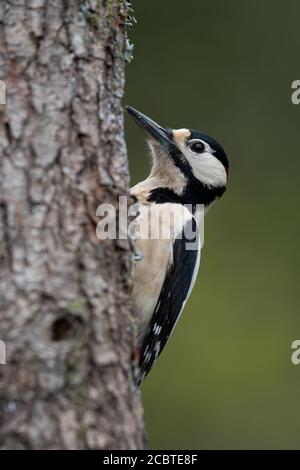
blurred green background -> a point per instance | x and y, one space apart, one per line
225 379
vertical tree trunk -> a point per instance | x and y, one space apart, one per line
64 295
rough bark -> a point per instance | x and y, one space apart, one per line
64 295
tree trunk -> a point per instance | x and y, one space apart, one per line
64 295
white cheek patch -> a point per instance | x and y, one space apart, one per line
205 166
207 169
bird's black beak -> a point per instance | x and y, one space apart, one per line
163 136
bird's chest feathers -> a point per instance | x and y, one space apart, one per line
157 226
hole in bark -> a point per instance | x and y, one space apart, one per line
66 327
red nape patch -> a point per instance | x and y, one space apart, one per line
137 356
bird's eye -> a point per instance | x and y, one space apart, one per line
196 146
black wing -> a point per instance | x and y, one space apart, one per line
171 301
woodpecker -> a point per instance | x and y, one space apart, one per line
189 169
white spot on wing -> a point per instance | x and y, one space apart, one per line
157 349
148 356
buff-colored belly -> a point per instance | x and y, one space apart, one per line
149 275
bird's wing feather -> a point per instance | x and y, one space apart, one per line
175 291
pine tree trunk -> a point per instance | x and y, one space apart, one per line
65 312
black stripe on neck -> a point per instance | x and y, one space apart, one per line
163 195
192 194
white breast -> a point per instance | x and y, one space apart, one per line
149 273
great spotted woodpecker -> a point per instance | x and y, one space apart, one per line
189 169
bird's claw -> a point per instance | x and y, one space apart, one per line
137 254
